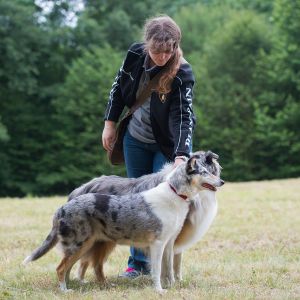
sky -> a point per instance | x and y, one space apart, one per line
71 17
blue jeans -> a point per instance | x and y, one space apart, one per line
141 159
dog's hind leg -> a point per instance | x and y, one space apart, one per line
68 275
97 256
68 261
83 265
177 266
101 251
85 261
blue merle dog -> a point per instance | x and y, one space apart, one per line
150 219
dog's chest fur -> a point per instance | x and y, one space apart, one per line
199 220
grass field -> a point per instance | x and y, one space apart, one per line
252 251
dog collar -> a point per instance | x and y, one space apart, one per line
184 197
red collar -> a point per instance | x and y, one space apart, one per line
184 197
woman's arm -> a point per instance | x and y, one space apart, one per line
182 117
115 103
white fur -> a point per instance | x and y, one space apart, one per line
171 209
27 260
205 210
167 206
206 207
201 218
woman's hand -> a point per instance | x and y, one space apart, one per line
108 135
179 160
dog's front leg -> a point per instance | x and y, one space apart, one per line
163 274
177 266
156 253
167 264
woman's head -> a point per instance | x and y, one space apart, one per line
161 34
162 38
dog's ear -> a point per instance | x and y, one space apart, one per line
192 166
209 156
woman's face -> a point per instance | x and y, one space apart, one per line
160 58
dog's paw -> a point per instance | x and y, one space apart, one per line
168 281
67 290
161 291
178 277
82 281
63 288
171 281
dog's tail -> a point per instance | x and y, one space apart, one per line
47 245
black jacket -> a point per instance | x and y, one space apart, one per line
172 121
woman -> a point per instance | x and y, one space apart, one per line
161 129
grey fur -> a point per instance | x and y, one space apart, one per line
119 219
133 219
127 218
47 245
116 185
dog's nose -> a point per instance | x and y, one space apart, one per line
222 182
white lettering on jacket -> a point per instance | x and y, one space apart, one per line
114 87
188 96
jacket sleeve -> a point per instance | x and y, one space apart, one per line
182 117
115 103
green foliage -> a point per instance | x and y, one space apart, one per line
277 141
263 6
226 91
19 47
198 23
4 137
55 80
87 33
119 30
76 152
33 63
120 22
3 133
18 32
278 109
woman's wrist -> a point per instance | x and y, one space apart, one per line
181 157
109 124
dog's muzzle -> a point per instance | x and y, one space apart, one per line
211 187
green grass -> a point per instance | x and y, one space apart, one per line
252 251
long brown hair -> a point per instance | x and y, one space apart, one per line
162 34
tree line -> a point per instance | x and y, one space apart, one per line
55 78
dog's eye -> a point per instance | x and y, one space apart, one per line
204 173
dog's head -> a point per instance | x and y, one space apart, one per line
203 171
209 160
